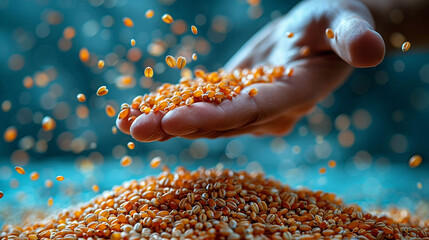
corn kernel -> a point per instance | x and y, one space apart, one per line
81 97
60 178
181 62
128 22
131 145
171 62
149 13
48 123
332 163
100 64
20 170
84 55
194 56
322 170
110 111
148 72
167 18
10 134
415 161
49 183
50 202
253 92
155 162
95 188
126 161
133 42
329 33
406 46
194 29
102 91
289 34
34 176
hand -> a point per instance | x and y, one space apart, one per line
279 105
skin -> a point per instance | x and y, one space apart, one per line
279 105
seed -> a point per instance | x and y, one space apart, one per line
148 72
133 42
171 62
48 183
124 113
289 72
48 123
110 111
253 92
20 170
189 101
415 161
60 178
131 145
194 29
10 134
114 129
95 188
81 97
194 56
1 194
289 34
322 170
181 62
200 73
102 91
84 55
329 33
128 22
332 163
167 18
149 13
100 64
419 185
406 46
34 176
28 82
305 51
50 202
155 162
126 161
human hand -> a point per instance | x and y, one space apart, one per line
278 105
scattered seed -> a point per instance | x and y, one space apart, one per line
110 111
194 29
131 145
48 123
60 178
322 170
167 18
329 33
181 62
133 42
102 91
289 34
95 188
194 56
332 163
84 55
50 202
148 72
81 97
34 176
10 134
126 161
149 13
406 46
155 162
49 183
415 161
100 64
20 170
128 22
171 62
253 92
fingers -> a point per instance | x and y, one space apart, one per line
355 40
124 124
147 128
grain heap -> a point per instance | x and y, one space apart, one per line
206 87
215 204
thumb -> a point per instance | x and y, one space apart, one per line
356 41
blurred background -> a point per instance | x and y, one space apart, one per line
356 143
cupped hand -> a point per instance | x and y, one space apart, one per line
278 105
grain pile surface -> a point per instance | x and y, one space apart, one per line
215 204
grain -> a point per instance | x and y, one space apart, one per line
20 170
415 161
95 188
216 204
322 170
100 64
149 13
102 91
171 61
304 51
81 97
194 29
131 145
48 183
194 56
155 162
332 163
128 22
148 72
133 42
10 134
48 123
110 111
34 176
289 34
167 18
84 55
406 46
181 62
50 202
126 161
60 178
329 33
253 92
